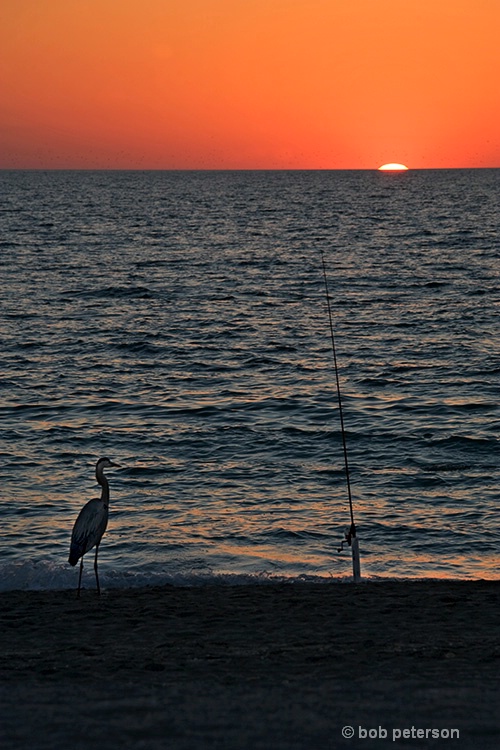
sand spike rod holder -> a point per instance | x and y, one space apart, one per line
351 538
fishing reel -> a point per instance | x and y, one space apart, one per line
352 541
349 536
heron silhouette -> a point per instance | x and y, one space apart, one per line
91 524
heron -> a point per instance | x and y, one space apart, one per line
91 524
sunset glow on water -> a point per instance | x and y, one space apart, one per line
177 323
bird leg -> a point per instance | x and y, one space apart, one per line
96 573
80 578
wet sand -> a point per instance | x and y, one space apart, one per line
277 667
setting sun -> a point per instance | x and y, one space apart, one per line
393 167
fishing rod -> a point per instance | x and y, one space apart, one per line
351 538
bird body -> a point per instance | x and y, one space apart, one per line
91 524
88 529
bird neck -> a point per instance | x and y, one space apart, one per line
105 487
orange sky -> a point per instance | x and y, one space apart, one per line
312 84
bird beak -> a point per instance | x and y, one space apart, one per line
115 466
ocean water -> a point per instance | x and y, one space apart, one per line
177 323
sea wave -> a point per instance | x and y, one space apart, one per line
182 329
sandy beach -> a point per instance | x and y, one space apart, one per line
276 667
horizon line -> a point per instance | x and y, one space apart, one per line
233 169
